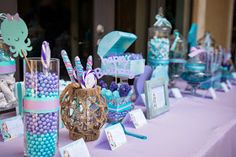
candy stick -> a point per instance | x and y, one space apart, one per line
79 68
89 63
27 61
68 65
45 56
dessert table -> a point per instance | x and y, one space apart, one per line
194 126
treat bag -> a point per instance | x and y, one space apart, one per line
41 108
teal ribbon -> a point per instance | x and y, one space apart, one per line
192 35
176 33
162 22
19 98
8 63
129 133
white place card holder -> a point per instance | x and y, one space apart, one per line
229 84
212 92
77 148
11 128
234 75
115 136
224 87
176 93
137 118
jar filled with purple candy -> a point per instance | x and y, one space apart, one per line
41 107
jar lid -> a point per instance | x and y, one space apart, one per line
115 43
161 21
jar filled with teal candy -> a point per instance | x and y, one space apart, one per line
41 108
158 42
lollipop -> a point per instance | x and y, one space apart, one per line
68 65
89 63
88 79
79 68
45 56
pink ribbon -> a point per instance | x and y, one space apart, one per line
41 105
7 69
195 51
15 17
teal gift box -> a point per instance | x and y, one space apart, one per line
114 61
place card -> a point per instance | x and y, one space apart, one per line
11 128
229 84
212 92
137 118
224 87
234 75
115 136
176 93
75 149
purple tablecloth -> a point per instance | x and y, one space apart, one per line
197 127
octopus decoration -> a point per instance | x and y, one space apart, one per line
14 33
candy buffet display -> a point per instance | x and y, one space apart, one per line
177 56
158 45
41 104
83 108
114 61
118 98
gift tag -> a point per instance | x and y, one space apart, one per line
176 93
229 84
115 136
11 128
137 117
75 149
224 87
212 92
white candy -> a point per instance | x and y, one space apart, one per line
3 102
8 93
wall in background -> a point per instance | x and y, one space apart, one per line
215 16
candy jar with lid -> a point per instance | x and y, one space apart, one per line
177 56
158 44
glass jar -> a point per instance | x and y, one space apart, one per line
158 46
41 108
177 57
7 79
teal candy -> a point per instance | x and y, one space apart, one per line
41 143
116 94
14 33
103 92
108 94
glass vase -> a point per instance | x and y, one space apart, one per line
41 108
